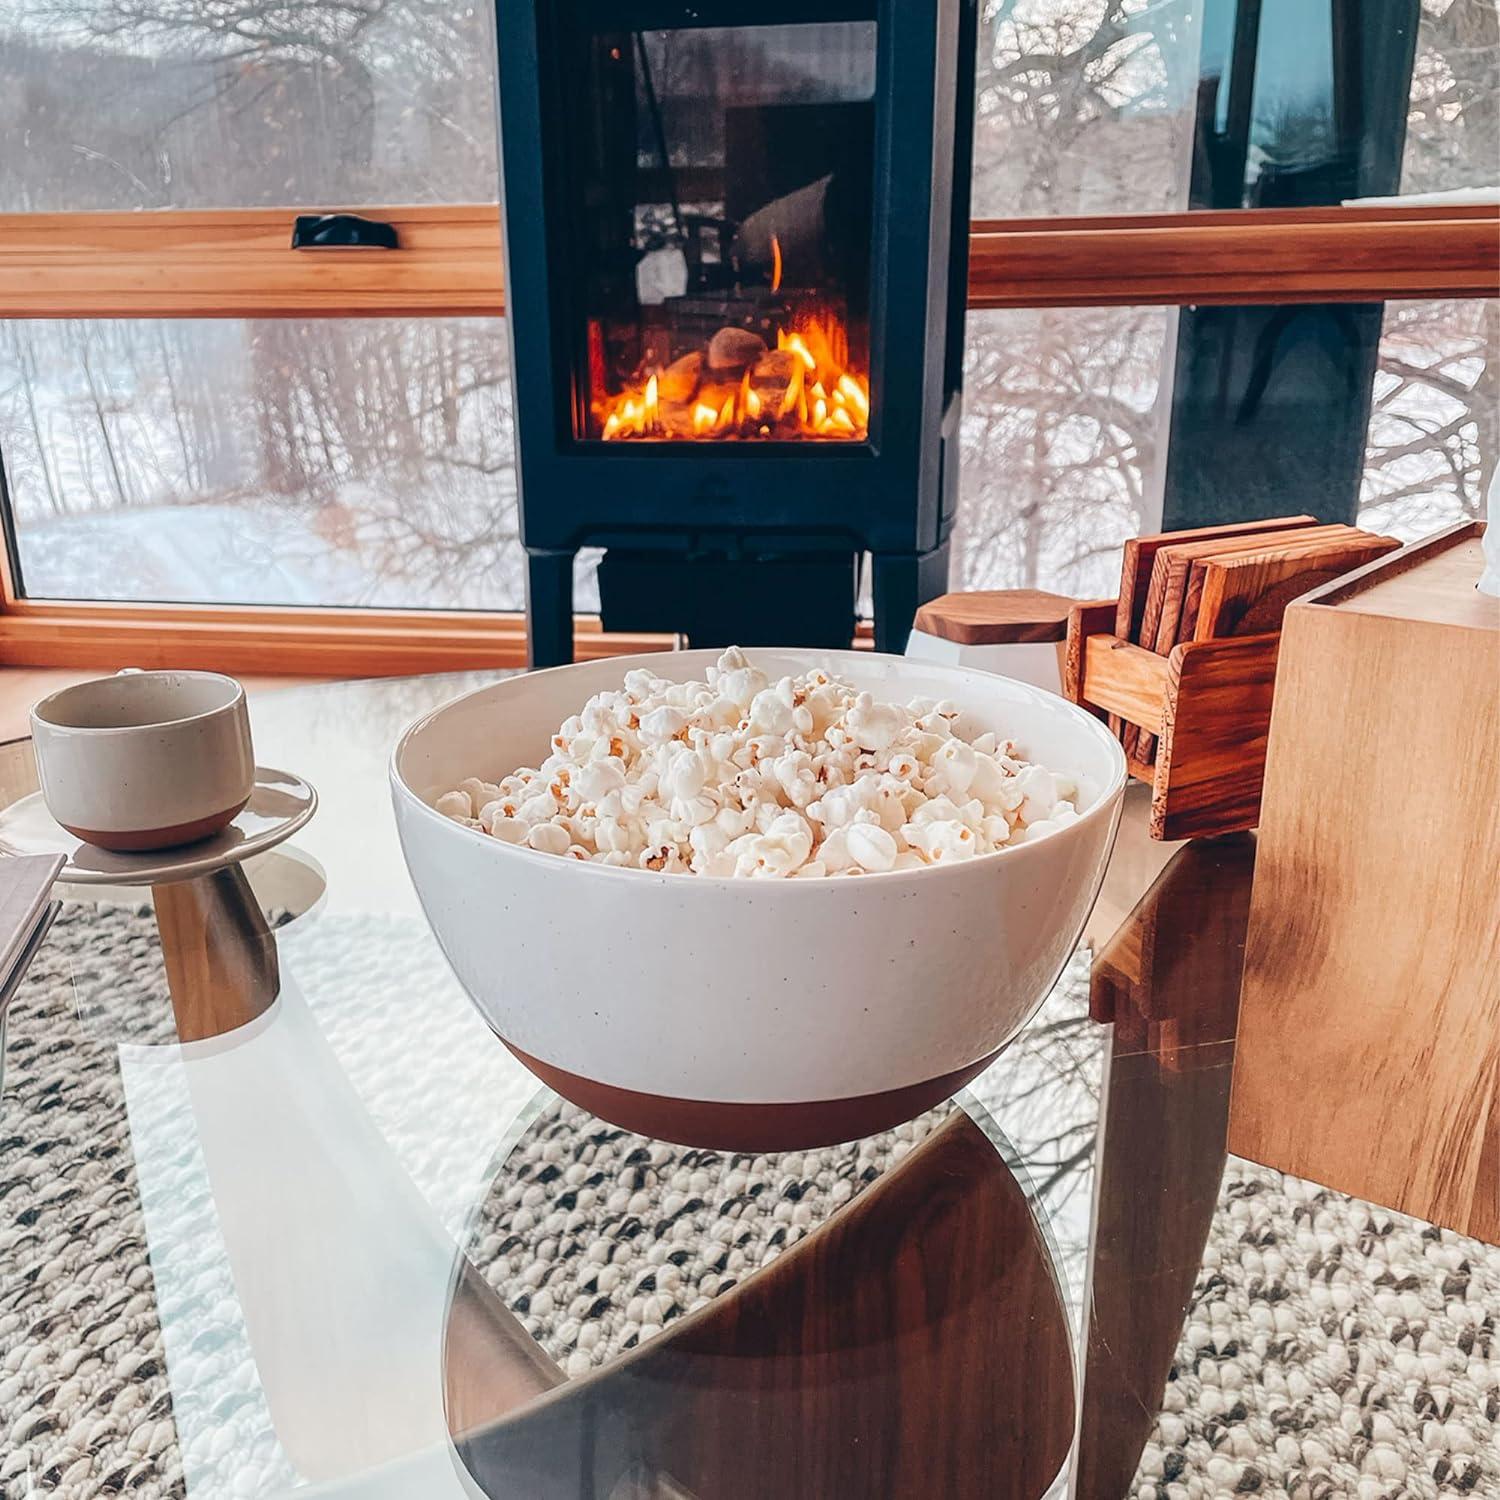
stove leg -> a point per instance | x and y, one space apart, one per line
549 609
902 582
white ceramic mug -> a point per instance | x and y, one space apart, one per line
145 760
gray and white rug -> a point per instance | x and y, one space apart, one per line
1331 1349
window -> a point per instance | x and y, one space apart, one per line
1063 421
174 104
347 444
1434 438
335 461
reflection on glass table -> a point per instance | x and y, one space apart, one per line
280 1217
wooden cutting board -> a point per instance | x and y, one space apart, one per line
1248 594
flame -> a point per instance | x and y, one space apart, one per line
823 398
793 341
775 264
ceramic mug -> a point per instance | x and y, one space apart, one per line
145 760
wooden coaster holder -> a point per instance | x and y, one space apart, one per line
1208 703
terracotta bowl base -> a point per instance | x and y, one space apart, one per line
751 1127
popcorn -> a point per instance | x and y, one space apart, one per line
736 775
871 847
455 805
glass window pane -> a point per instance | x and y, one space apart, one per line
181 104
1089 106
362 462
1061 430
1453 125
715 207
327 462
1084 106
1435 423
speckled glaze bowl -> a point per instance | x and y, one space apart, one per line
752 1014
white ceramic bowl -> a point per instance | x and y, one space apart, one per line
752 1014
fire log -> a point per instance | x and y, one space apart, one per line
679 381
731 351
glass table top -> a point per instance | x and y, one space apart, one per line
279 1215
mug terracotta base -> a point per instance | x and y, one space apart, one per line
751 1127
138 840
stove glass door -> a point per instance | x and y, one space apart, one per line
717 200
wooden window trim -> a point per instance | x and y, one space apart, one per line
257 638
1355 254
238 263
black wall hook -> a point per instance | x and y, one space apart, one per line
342 232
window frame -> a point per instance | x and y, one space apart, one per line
239 263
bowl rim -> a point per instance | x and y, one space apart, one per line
1104 805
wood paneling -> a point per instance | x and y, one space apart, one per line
239 262
1369 1052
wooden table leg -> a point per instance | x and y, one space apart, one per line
1170 982
219 952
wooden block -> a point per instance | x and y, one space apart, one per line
1168 588
1140 555
1084 620
1213 737
996 617
1247 595
1125 679
1169 573
1369 1045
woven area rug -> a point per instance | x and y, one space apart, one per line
1330 1350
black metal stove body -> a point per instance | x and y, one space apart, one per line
736 269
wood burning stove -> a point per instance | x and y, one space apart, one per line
736 241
